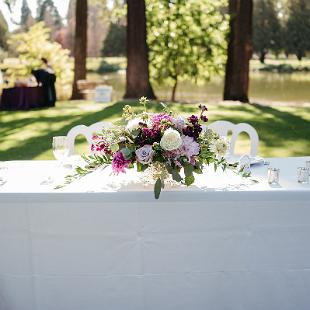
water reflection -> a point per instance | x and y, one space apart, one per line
264 86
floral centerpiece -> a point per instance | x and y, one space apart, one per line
164 146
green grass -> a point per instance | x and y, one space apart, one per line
283 131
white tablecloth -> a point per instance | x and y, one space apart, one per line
230 245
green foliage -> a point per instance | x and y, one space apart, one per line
157 188
31 46
186 39
106 67
297 32
115 42
266 28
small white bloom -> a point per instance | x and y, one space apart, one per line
171 140
220 146
133 124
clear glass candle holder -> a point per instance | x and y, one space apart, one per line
303 175
273 176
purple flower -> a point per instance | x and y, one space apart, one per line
148 136
189 148
159 120
145 154
192 131
203 118
119 163
193 119
179 123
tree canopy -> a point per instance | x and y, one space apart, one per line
297 32
186 40
34 44
266 28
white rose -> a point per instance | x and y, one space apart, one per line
171 140
133 124
220 146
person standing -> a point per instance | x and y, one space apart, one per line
46 78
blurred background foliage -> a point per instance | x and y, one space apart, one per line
187 45
186 39
30 47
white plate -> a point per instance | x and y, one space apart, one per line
257 160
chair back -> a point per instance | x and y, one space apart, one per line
86 131
224 127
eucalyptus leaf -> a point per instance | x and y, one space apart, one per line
176 176
127 153
157 188
188 169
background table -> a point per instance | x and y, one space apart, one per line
22 98
225 247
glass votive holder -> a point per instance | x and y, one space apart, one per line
273 176
303 175
308 166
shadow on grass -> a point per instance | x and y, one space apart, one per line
274 127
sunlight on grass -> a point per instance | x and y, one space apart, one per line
283 131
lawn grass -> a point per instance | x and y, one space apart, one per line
283 131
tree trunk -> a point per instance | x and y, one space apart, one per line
239 50
174 89
80 46
299 55
137 73
262 56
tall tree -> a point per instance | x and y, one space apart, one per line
297 32
3 32
115 41
47 7
239 50
137 73
80 46
266 28
26 19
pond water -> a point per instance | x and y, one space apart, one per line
264 86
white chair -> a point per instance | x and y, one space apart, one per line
86 131
224 127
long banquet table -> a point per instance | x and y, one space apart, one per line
88 247
22 98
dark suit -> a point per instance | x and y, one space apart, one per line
48 84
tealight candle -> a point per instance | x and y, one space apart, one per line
303 175
273 176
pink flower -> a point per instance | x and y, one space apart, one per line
189 148
145 154
119 163
158 120
99 145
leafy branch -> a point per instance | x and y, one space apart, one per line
93 162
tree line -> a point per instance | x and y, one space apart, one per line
281 26
169 41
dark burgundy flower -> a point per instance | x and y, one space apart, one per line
148 136
193 119
204 118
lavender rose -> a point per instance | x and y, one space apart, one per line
145 154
